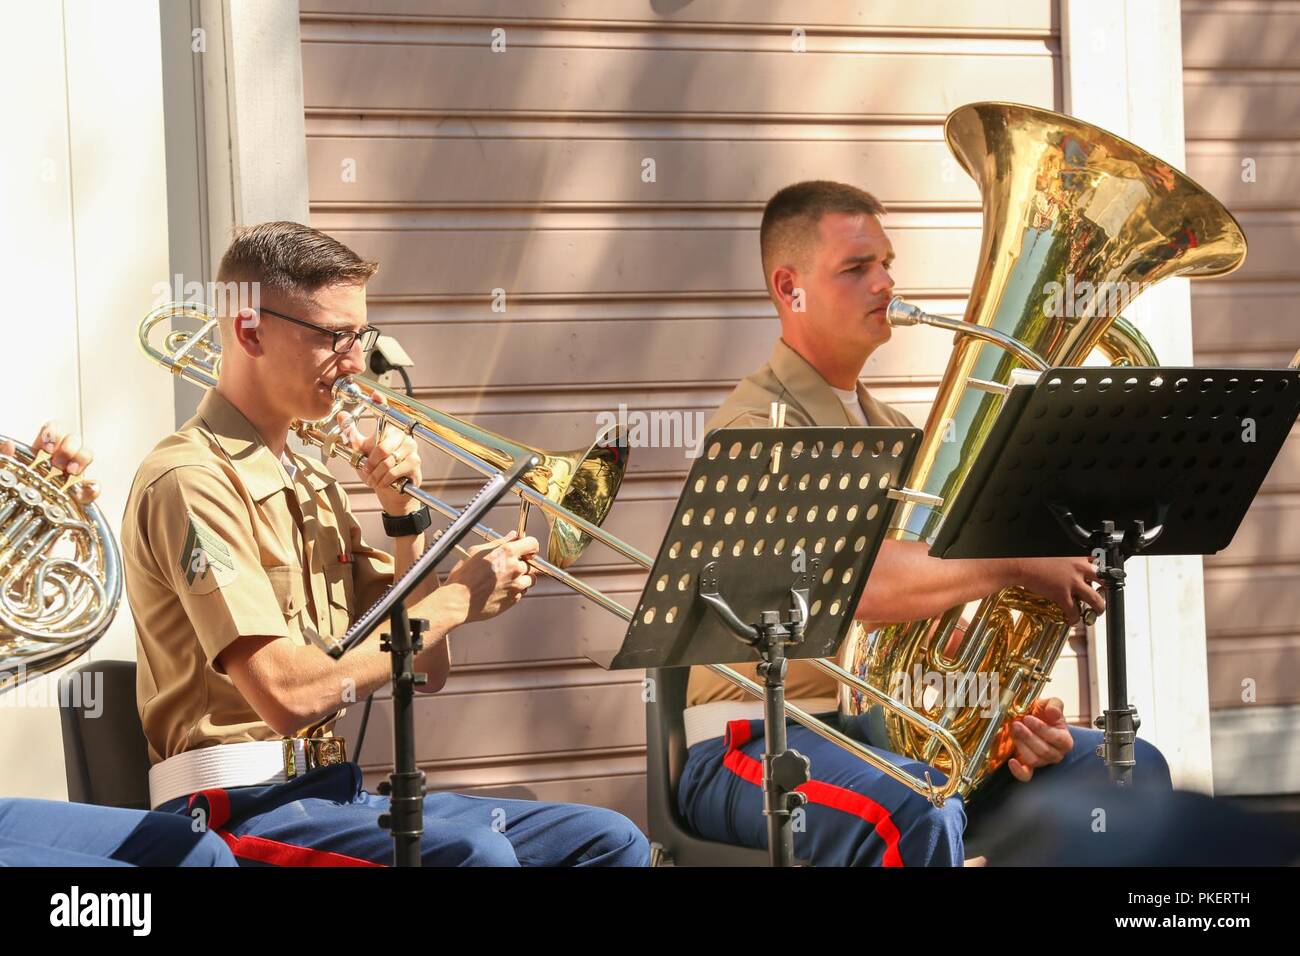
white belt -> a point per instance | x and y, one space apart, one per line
706 721
254 764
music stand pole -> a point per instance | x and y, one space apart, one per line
784 770
405 785
1150 461
1119 722
775 518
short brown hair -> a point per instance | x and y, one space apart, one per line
291 258
791 216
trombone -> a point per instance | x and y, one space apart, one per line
574 491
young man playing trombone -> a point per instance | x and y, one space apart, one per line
235 548
826 260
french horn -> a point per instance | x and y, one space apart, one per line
60 569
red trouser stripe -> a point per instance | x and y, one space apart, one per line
262 850
824 794
276 853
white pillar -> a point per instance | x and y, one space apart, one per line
83 233
254 95
236 131
1122 70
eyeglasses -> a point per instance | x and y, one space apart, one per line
343 340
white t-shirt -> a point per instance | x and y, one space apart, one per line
849 399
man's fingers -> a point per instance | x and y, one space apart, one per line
1057 738
65 452
524 547
1019 770
1029 747
1069 608
391 450
80 461
1091 597
1049 742
493 545
1052 710
388 472
47 438
85 492
349 432
380 477
1089 572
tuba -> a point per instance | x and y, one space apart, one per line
1076 223
60 571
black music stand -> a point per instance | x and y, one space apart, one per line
1115 463
405 785
765 560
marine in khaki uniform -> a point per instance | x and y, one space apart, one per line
236 550
225 540
826 260
788 379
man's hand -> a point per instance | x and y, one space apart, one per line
67 454
492 579
391 456
1042 737
1065 581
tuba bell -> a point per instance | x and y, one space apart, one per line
1077 222
60 571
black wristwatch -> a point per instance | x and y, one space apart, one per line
401 526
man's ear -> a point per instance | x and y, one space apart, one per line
246 328
785 289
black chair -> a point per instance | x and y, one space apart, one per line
665 757
106 756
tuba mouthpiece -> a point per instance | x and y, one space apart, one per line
899 312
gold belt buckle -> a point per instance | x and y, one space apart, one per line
319 752
290 764
325 751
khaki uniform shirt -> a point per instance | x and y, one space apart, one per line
219 543
788 378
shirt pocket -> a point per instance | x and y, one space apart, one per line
290 593
340 588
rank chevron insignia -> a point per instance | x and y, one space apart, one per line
203 551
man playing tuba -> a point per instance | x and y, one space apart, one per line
826 261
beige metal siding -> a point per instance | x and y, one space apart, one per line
522 170
1241 69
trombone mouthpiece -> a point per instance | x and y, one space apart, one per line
899 312
347 389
